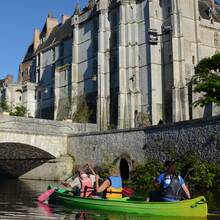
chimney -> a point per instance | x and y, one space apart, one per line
64 18
36 40
51 23
8 79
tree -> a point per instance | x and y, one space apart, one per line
4 107
207 81
19 110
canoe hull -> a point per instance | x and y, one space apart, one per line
188 208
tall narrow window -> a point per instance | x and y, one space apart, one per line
61 49
38 75
53 72
65 75
53 54
38 59
39 95
193 59
51 92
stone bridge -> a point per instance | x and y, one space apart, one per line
26 143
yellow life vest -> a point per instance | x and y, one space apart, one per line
113 193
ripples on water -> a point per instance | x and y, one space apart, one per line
18 201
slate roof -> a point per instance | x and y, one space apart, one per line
58 34
204 6
64 31
29 53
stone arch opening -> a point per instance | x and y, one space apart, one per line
124 169
17 159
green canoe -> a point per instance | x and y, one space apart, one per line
196 207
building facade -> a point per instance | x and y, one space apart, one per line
107 55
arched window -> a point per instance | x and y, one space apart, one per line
18 96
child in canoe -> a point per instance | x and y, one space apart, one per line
83 183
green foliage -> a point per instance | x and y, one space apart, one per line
111 127
205 175
4 107
201 174
64 109
103 170
19 110
143 119
207 81
83 112
81 115
144 175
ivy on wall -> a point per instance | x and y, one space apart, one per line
81 114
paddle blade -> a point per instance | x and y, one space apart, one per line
127 192
44 196
48 211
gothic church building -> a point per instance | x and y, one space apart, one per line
125 57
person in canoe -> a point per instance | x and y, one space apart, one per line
112 186
83 184
171 185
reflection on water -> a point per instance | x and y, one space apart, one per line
18 201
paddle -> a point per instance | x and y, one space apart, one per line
44 196
126 191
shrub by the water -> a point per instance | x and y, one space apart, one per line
197 173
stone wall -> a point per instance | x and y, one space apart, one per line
158 142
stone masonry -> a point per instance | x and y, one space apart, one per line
48 139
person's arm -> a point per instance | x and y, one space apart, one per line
157 181
186 190
184 187
66 184
103 186
72 184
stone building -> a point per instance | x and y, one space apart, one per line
125 57
3 85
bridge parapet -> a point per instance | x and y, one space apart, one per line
41 126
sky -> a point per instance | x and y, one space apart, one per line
18 19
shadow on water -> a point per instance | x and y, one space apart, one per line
18 201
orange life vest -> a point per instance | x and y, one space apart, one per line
86 187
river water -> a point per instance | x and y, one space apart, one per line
18 201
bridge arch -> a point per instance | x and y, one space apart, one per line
16 158
55 145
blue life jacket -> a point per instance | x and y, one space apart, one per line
116 181
173 191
